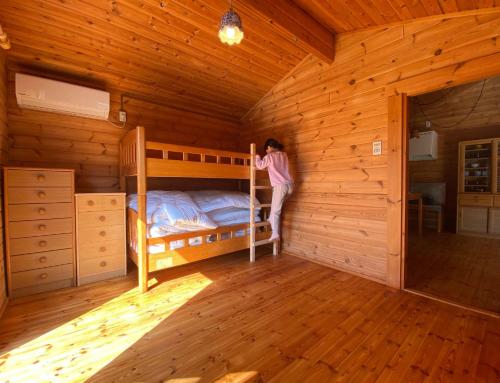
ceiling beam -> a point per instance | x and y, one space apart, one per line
294 23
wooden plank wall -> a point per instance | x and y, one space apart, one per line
328 116
3 158
445 109
91 147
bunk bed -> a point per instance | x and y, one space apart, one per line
142 159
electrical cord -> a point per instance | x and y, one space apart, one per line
462 119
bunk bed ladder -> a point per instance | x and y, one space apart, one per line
253 225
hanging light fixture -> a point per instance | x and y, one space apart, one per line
231 30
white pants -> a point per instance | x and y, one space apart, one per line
280 194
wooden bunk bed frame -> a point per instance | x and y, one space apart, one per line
141 158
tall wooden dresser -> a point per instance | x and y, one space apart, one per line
101 242
39 229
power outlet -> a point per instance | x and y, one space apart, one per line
122 116
377 148
428 124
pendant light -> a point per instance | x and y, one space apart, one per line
231 30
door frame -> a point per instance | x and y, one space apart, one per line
397 187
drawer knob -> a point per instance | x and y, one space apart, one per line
43 259
42 227
42 211
102 249
103 263
41 194
102 233
113 202
40 178
102 218
44 276
42 243
90 202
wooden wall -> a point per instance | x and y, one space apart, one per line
329 115
91 147
3 157
450 114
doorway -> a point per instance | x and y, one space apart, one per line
451 211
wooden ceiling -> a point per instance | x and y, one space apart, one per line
168 50
349 15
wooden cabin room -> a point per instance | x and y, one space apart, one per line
229 191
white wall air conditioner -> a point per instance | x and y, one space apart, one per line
424 147
60 97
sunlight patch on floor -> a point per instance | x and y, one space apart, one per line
81 347
232 377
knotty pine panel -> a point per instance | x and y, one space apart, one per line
344 16
327 116
91 147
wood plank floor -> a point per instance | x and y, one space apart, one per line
225 320
464 269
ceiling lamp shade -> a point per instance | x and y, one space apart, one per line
231 30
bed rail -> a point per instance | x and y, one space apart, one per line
128 154
191 246
169 160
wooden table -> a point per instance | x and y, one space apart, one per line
418 197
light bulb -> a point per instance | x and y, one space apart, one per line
230 33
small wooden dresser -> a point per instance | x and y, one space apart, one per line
39 229
101 242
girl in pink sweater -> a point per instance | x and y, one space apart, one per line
276 162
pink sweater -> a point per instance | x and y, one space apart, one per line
277 164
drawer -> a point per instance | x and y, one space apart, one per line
41 276
40 227
39 195
40 211
99 202
496 202
41 260
101 218
100 234
39 244
101 265
45 178
96 249
475 200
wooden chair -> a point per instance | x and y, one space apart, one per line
434 195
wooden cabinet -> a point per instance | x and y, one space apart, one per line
494 221
479 187
39 229
473 219
101 240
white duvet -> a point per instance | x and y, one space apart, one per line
172 212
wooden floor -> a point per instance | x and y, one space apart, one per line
225 320
460 268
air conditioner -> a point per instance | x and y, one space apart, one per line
60 97
424 146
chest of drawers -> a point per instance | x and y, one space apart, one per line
39 229
101 240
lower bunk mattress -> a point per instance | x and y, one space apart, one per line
174 212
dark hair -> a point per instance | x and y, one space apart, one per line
273 144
